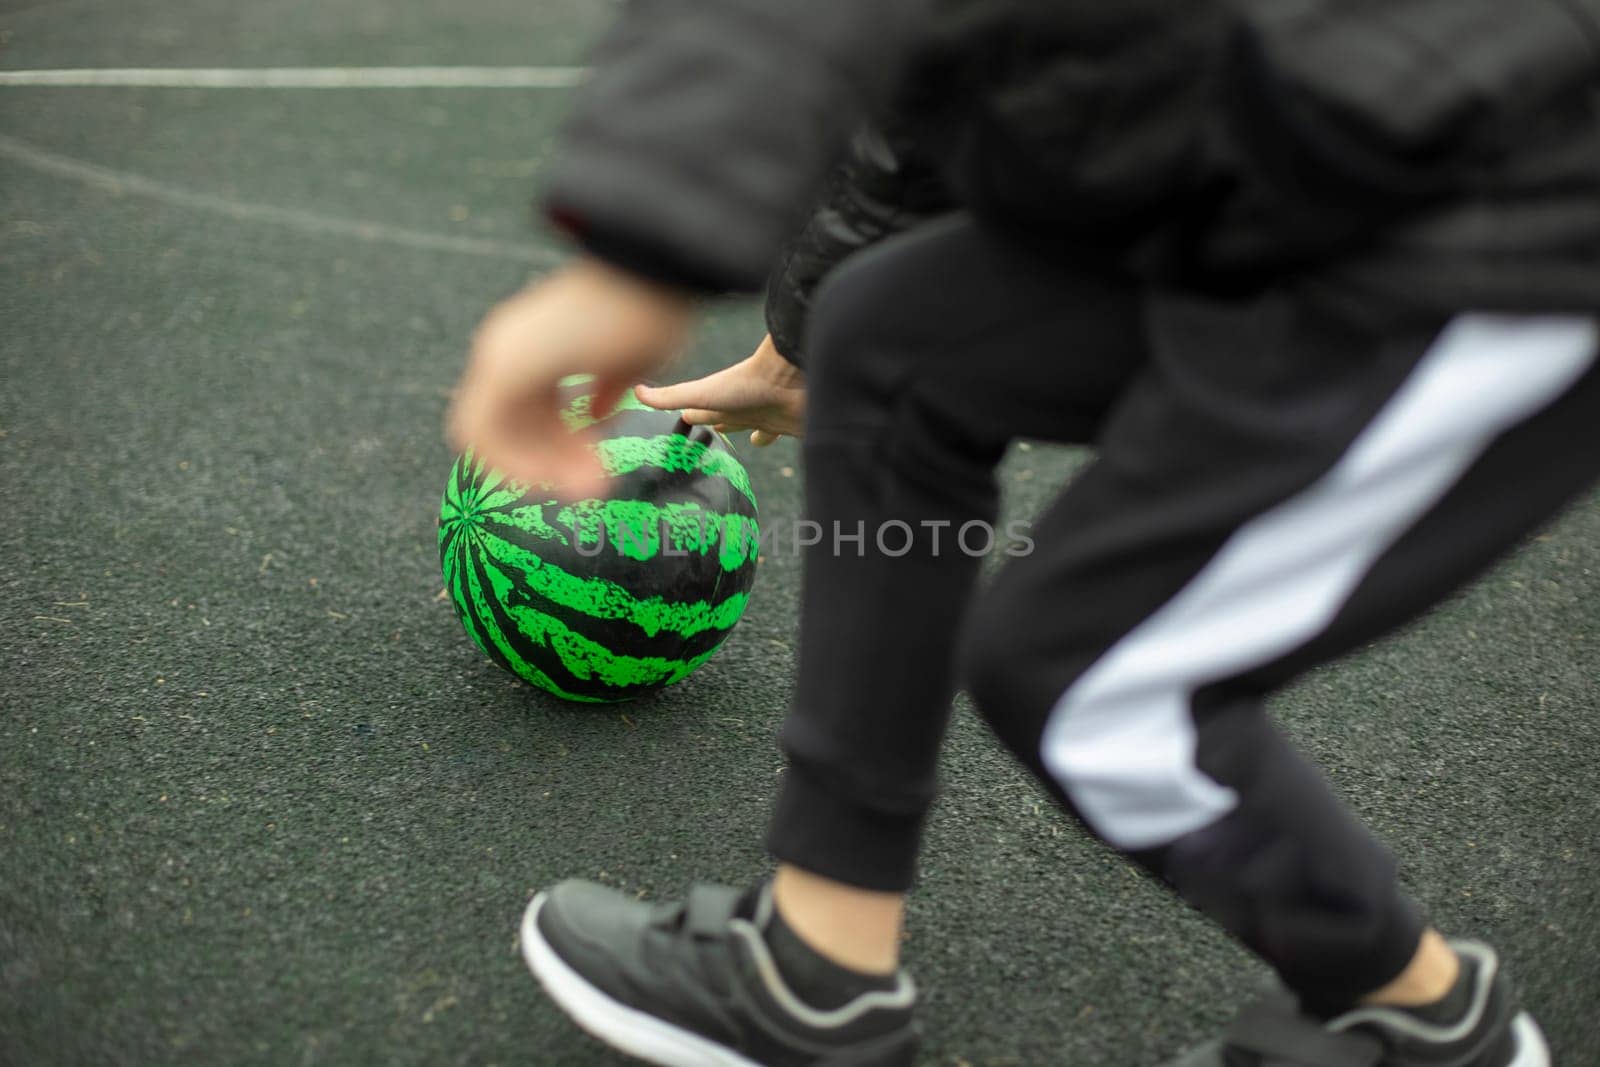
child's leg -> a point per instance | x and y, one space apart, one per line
1284 484
927 356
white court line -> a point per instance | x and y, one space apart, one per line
307 78
120 183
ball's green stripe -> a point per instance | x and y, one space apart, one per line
461 596
450 533
468 474
741 580
450 504
479 610
447 554
601 599
637 529
673 452
582 657
469 617
530 519
499 498
484 478
513 635
620 628
494 621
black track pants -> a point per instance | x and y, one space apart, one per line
1278 480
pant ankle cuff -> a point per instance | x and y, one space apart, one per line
1332 992
818 828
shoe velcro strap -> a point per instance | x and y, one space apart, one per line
1281 1037
709 908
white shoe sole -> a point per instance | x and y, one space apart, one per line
625 1029
1532 1049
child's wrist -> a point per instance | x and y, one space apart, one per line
775 368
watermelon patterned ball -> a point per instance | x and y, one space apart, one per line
605 600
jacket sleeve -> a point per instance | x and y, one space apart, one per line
883 185
708 126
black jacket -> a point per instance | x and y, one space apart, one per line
886 183
1449 147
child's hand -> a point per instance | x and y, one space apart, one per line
588 318
763 393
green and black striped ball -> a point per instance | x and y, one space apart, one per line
605 600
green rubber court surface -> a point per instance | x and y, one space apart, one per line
263 802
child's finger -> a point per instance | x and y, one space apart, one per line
696 393
708 417
763 438
607 393
566 464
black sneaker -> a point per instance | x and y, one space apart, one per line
693 984
1490 1031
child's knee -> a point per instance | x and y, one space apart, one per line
996 668
864 330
